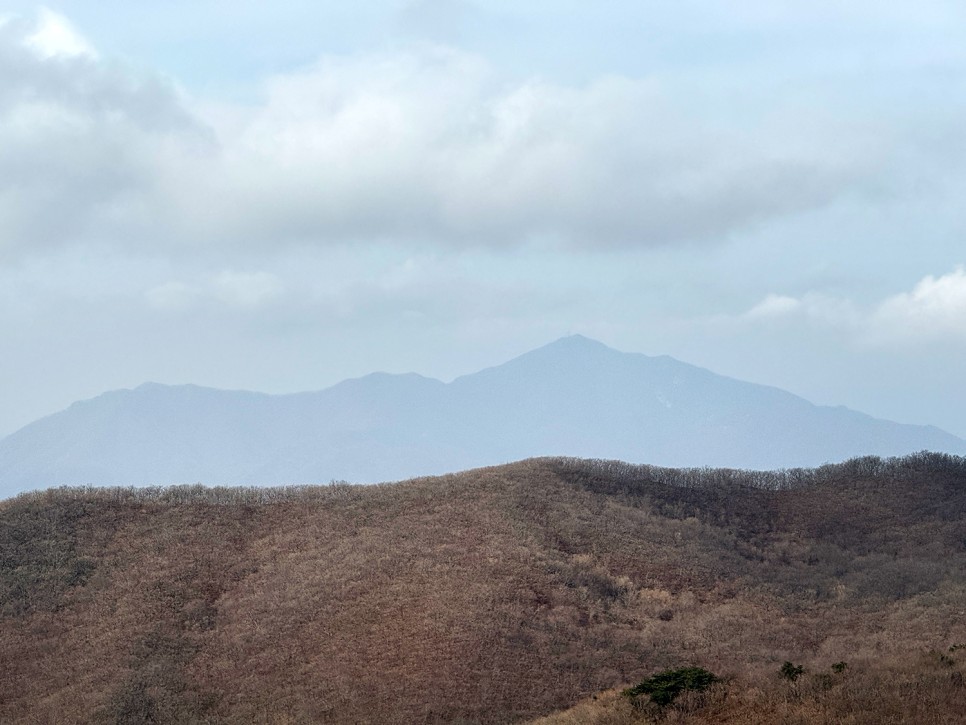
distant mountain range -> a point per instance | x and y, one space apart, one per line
573 397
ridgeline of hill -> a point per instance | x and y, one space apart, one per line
496 595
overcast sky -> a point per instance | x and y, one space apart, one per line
276 196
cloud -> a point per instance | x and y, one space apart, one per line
55 37
230 288
814 307
934 311
428 145
774 306
81 141
433 145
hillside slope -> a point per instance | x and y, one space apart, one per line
491 596
573 397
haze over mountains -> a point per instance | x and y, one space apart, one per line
573 397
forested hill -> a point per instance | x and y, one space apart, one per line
491 596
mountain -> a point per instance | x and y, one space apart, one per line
574 397
492 596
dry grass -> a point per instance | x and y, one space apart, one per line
492 596
922 688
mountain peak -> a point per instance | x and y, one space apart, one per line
577 342
567 353
572 347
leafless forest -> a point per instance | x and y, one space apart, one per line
502 595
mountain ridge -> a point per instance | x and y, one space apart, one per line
573 397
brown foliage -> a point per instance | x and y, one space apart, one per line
490 596
921 688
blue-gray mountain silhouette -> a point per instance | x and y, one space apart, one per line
573 397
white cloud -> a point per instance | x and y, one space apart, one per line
432 145
933 311
82 143
813 308
428 145
56 37
230 288
774 306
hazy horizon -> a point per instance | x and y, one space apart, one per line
448 380
445 381
279 198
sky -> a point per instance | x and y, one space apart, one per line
278 196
